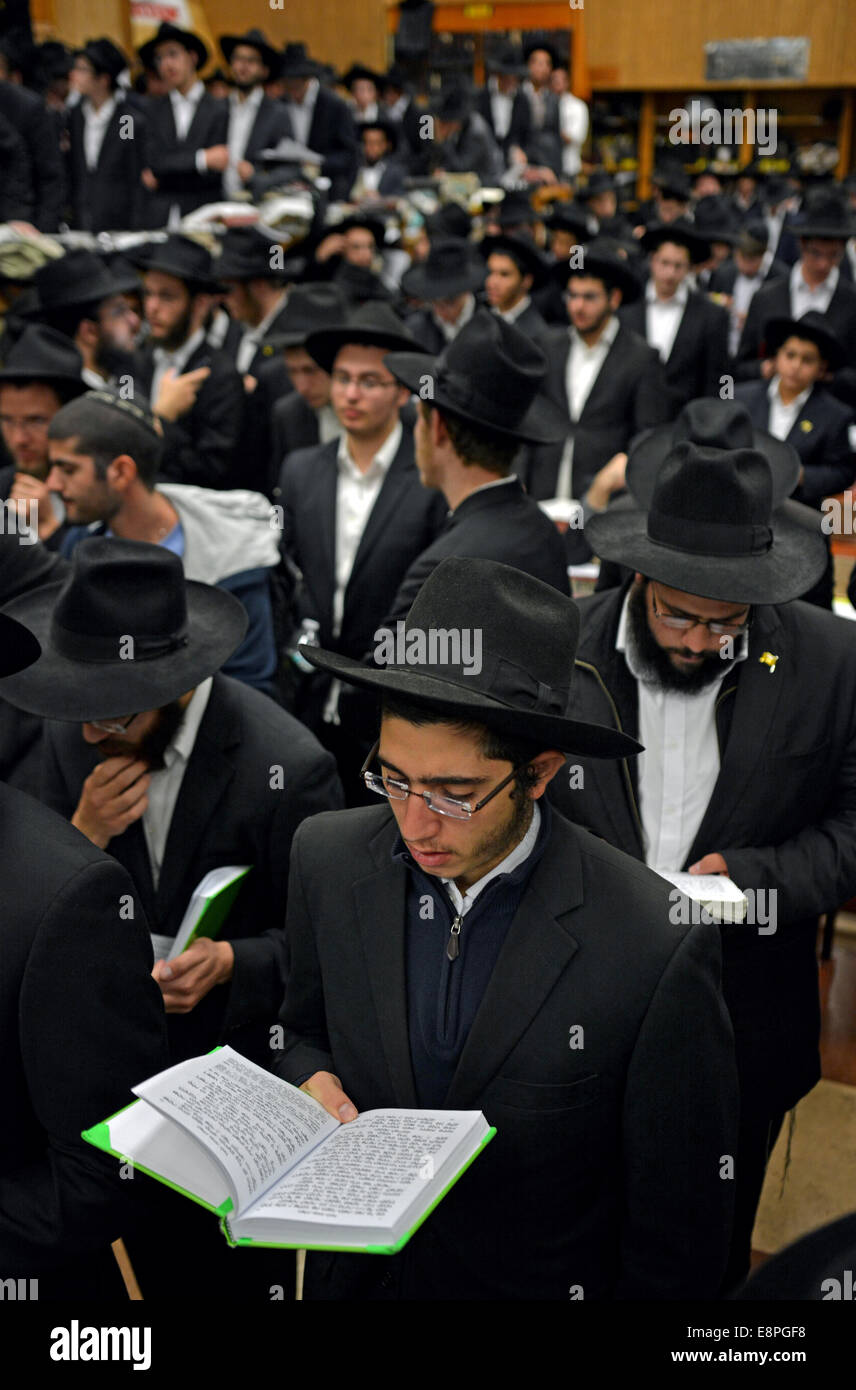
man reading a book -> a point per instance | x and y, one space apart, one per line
461 946
749 768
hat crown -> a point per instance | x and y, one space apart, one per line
119 589
448 255
312 306
714 424
43 352
492 360
714 487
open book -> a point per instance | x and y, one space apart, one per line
209 906
716 893
278 1169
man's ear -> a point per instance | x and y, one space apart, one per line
546 765
121 472
87 333
615 300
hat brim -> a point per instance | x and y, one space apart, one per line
146 51
61 383
647 456
58 687
76 295
622 277
229 42
550 730
19 647
417 284
825 230
543 423
793 564
698 246
205 284
324 345
777 332
533 262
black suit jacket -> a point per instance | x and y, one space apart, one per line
722 279
110 196
520 126
629 394
332 134
782 813
405 518
173 161
699 354
819 435
202 446
774 301
40 134
495 523
81 1022
271 125
233 808
294 425
602 1172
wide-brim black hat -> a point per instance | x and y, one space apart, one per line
104 56
567 216
597 260
680 233
44 354
544 46
254 38
373 324
598 182
359 221
380 122
452 104
490 375
180 633
79 277
528 634
712 424
522 251
825 215
181 256
308 309
715 219
247 254
359 72
452 267
295 62
711 530
814 327
507 61
19 647
170 33
515 210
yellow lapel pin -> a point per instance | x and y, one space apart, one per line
768 659
806 425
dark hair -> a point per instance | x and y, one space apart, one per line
67 321
609 284
477 443
102 434
64 391
499 747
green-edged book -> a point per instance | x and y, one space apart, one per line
209 906
277 1169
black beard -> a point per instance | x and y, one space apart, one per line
112 361
655 664
152 746
245 86
178 335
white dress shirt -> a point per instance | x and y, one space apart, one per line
165 784
164 360
500 108
663 318
804 298
183 110
463 902
252 337
573 124
513 314
242 115
782 418
95 125
679 765
450 331
745 289
301 112
581 372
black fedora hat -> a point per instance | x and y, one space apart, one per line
104 56
523 251
394 79
813 327
308 308
528 633
825 215
44 354
567 216
715 219
181 256
19 648
491 374
359 220
449 220
182 632
248 254
671 182
295 62
383 123
515 210
170 33
711 530
711 424
452 103
452 267
373 324
599 181
506 60
254 38
680 233
359 72
78 277
543 45
601 261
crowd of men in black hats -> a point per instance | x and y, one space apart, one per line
235 459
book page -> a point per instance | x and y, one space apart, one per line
706 887
370 1170
254 1123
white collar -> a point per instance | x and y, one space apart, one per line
182 743
262 327
195 94
678 299
795 405
178 356
382 459
830 284
606 339
522 850
252 100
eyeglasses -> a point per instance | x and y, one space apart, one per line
363 383
684 624
443 805
112 726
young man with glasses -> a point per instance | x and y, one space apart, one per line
473 949
744 702
355 514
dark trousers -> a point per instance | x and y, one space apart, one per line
757 1137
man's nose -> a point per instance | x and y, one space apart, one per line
93 735
700 639
418 821
54 480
